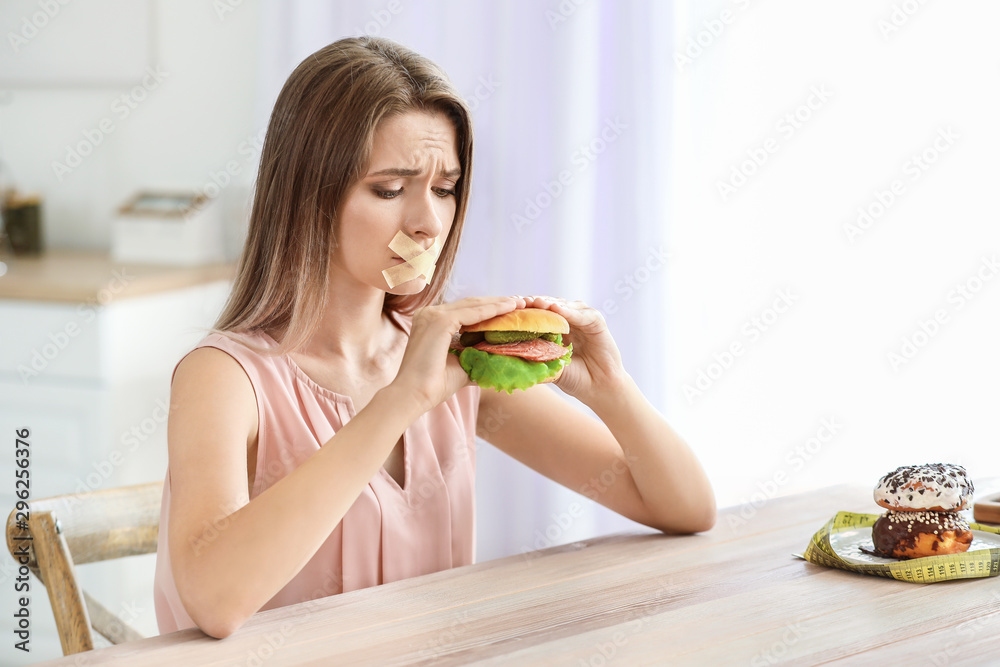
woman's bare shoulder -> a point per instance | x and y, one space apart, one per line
210 384
209 365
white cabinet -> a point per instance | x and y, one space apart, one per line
91 381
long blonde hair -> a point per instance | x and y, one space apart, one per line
318 145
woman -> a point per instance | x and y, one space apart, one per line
321 439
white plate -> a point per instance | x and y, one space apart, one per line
848 545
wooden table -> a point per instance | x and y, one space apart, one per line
734 595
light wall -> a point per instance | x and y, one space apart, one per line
178 127
896 108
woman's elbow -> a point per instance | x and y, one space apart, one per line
707 515
704 521
218 625
703 512
215 615
687 520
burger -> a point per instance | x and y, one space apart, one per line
515 350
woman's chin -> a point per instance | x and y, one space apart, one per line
415 286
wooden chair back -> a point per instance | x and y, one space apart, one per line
62 532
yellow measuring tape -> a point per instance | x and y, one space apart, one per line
968 565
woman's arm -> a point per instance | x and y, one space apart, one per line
230 555
630 461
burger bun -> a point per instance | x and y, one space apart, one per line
534 320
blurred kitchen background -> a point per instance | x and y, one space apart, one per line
786 211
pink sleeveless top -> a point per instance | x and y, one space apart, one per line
389 533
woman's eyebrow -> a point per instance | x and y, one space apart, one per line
406 173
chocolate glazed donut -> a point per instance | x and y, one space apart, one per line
919 534
923 503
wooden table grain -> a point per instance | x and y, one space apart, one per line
733 595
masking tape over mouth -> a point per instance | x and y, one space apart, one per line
417 261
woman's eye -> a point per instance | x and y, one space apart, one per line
388 194
442 192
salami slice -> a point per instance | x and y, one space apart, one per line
529 350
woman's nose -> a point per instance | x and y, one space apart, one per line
424 217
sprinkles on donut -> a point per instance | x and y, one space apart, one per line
923 503
941 487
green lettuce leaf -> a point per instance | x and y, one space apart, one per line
503 373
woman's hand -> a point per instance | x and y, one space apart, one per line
596 363
633 463
428 372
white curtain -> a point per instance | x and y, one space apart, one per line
572 113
